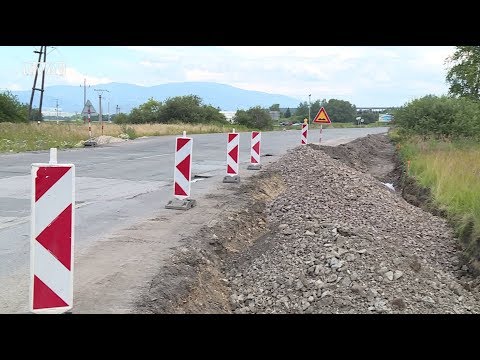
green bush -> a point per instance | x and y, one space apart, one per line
120 118
11 110
130 131
185 109
440 116
255 118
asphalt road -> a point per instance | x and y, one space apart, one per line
119 184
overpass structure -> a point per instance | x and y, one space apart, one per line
376 108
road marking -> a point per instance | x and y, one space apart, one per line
151 156
13 222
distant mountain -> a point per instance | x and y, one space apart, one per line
128 96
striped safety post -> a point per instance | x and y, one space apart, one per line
304 134
89 124
52 236
255 151
183 167
233 141
182 174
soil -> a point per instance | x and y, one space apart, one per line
309 234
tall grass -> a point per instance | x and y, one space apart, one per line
451 170
17 137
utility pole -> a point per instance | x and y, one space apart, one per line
309 104
84 96
56 108
43 51
100 105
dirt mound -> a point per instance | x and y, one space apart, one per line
311 234
373 154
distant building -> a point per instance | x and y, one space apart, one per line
284 110
275 115
385 117
228 115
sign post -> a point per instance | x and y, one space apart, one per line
322 118
88 109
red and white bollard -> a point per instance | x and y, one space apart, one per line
304 134
89 124
255 151
182 174
52 236
233 142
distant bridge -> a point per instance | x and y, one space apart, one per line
376 108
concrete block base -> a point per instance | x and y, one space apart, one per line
231 179
181 204
90 142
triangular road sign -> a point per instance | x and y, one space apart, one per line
88 105
322 117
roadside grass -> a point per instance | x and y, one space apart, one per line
451 170
18 137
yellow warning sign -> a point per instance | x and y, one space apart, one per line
322 117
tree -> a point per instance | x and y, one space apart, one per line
36 114
11 110
368 116
288 113
275 107
120 118
256 117
340 111
440 116
315 107
148 112
302 110
189 109
213 115
464 74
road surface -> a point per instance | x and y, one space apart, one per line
118 186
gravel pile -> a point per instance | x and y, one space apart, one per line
342 242
105 139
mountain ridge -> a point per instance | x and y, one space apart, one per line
127 96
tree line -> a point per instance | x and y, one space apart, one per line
191 109
454 115
12 110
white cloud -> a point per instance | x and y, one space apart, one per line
203 75
367 75
153 64
14 87
75 77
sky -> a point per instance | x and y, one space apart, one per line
363 75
